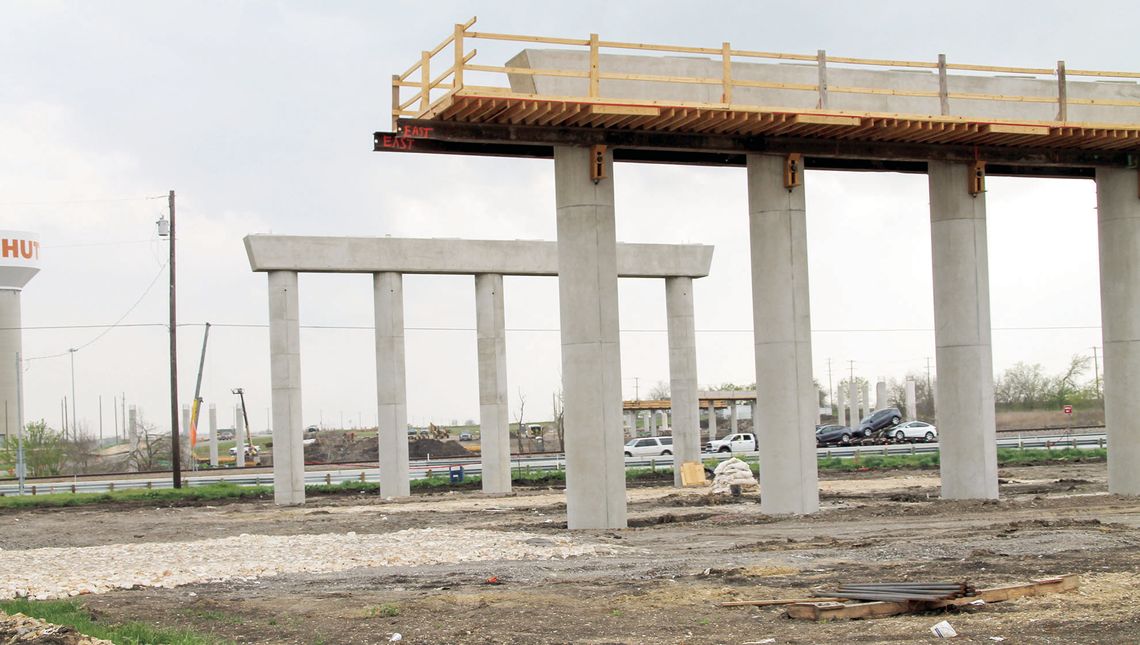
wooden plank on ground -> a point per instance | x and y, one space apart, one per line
775 601
692 473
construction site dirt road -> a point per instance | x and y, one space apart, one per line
663 579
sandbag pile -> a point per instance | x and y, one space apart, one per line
733 472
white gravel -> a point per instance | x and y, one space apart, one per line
51 573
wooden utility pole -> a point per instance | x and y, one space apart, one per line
175 442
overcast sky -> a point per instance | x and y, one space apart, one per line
260 115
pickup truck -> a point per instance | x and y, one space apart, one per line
739 442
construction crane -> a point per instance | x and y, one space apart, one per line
196 406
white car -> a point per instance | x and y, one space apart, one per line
649 447
740 442
914 431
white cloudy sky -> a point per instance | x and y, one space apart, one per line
260 114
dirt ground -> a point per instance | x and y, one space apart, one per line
689 554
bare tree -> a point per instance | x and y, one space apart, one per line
659 392
521 431
559 420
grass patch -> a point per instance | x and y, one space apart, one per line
72 614
1022 457
208 492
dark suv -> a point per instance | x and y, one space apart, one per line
880 419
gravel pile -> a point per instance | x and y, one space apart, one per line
51 573
18 628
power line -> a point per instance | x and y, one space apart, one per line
82 201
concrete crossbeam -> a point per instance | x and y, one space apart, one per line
312 254
391 386
1118 211
591 356
285 375
784 419
966 419
494 433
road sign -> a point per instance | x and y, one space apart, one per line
1068 409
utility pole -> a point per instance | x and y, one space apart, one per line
929 387
830 387
74 420
175 441
100 418
1096 372
636 391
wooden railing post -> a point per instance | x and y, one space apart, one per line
821 61
594 71
425 80
1062 93
943 86
457 73
395 100
726 73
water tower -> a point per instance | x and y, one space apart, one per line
19 261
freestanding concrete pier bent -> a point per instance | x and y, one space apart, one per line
387 259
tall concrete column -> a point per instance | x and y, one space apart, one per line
732 426
391 387
686 410
786 404
866 398
1118 211
911 403
712 421
853 405
494 432
285 378
185 430
591 357
653 423
880 395
840 409
966 425
213 436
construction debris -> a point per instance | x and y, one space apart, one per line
943 630
893 598
733 473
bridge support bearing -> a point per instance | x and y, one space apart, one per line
1118 208
784 417
966 423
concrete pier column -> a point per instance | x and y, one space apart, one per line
184 431
866 398
683 373
285 378
494 432
966 427
853 417
881 395
911 402
732 426
213 436
1118 211
840 409
784 423
391 388
653 423
712 421
591 357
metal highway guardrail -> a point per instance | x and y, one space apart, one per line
472 466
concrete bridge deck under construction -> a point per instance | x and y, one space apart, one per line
586 102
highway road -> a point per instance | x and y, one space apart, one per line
471 466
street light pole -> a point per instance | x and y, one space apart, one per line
74 420
175 442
